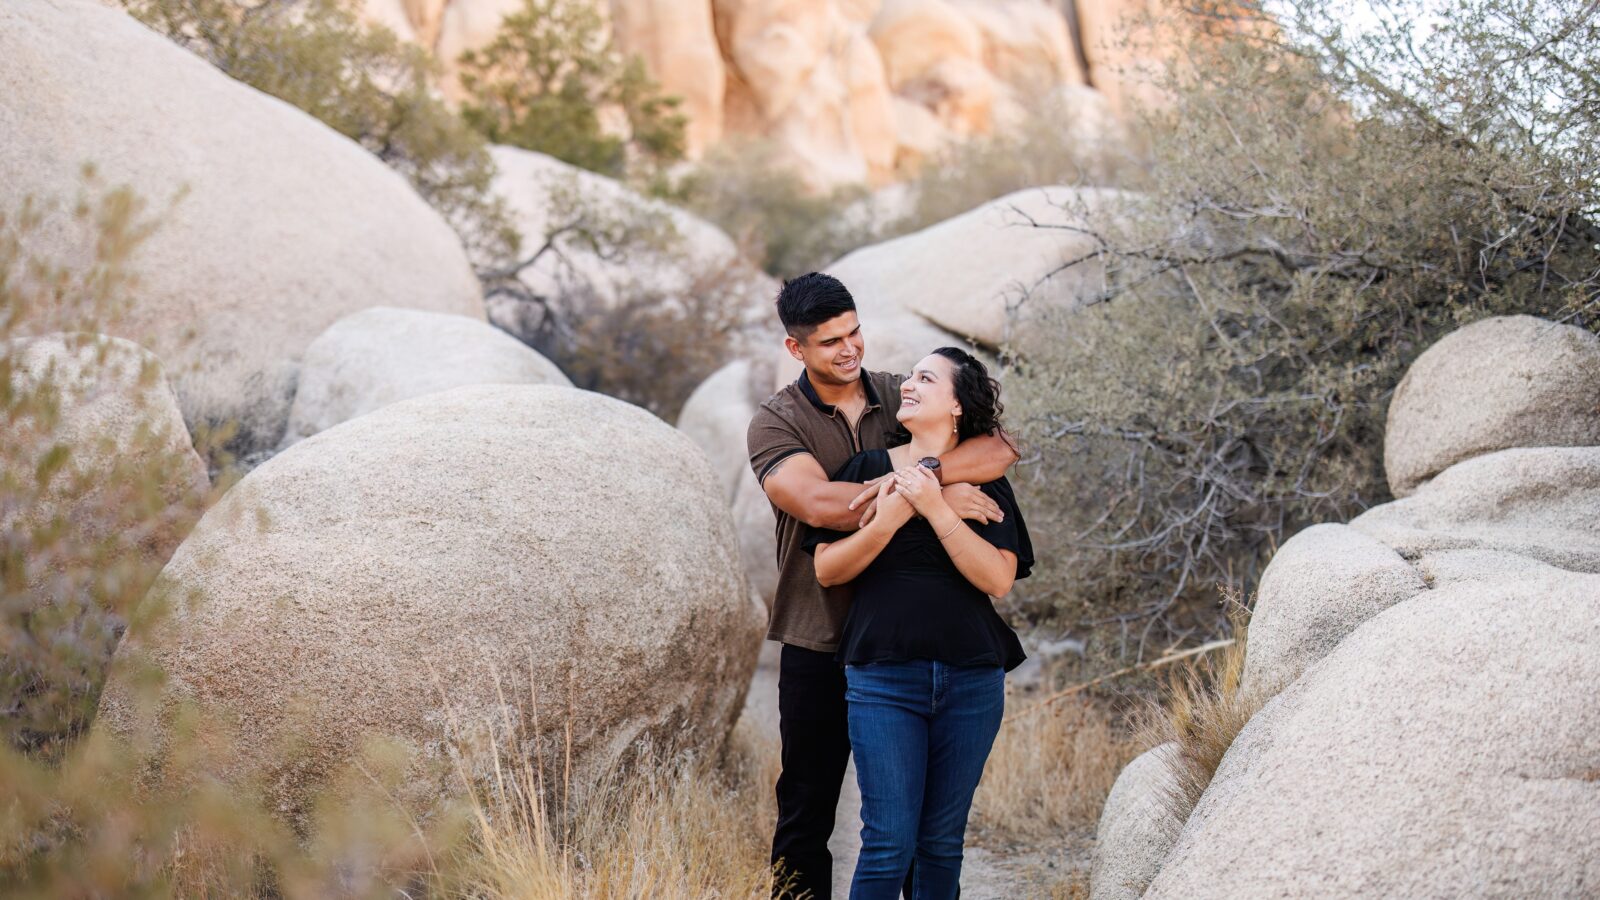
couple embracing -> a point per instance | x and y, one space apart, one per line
895 528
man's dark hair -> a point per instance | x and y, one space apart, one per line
809 300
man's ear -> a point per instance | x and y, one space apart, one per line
793 346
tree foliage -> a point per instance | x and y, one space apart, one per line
549 76
1318 209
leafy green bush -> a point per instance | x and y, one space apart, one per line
1315 211
358 79
545 79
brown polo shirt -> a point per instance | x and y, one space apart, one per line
793 421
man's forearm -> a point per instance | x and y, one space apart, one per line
977 460
828 506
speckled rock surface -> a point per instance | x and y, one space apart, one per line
382 355
402 573
277 225
1446 748
1542 503
1137 826
1320 586
1512 381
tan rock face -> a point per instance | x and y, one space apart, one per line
280 225
678 43
1320 586
1513 381
820 79
383 355
1538 502
404 573
1446 748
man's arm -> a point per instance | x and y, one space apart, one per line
799 487
977 460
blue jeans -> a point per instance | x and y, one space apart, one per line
921 732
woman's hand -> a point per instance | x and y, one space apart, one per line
893 510
920 487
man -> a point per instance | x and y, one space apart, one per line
799 436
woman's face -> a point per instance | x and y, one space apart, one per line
928 397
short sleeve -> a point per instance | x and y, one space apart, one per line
1010 533
771 440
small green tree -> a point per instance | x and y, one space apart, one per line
1316 210
544 80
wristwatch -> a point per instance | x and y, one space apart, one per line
931 463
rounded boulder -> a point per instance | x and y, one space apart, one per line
493 560
1445 749
1511 381
383 355
1137 825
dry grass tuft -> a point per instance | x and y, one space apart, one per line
688 828
1205 710
1051 769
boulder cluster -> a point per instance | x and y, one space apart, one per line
1427 670
436 541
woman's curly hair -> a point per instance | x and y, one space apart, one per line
978 394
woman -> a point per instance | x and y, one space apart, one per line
924 651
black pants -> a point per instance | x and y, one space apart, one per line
814 727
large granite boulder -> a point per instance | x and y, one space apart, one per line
966 274
272 225
382 355
1137 826
678 43
447 564
1445 749
1320 586
1513 381
1538 502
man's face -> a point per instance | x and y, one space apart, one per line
832 353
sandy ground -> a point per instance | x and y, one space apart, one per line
986 873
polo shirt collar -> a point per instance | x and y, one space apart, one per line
829 409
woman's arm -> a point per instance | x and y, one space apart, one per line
989 568
844 559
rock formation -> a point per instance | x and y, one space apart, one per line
418 572
1428 668
382 355
1137 825
609 246
849 90
271 225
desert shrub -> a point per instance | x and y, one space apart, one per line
545 79
1065 138
1315 211
85 523
362 81
776 220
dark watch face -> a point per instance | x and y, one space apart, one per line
929 462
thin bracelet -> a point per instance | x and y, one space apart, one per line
951 531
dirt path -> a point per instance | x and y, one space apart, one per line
985 874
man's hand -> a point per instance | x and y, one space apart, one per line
869 496
970 502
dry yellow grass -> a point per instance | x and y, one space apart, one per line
1051 769
689 828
